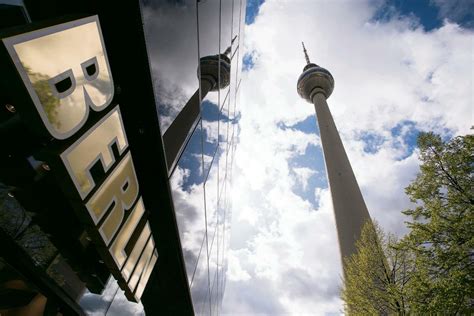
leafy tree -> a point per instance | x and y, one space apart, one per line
441 236
376 275
431 270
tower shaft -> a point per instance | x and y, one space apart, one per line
349 207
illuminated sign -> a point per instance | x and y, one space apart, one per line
67 75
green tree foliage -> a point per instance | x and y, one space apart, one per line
441 236
49 102
376 276
431 270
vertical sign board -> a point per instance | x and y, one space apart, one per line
66 72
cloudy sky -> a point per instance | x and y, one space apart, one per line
400 68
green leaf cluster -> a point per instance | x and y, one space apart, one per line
430 270
441 226
376 276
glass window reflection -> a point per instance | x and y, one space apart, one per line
214 297
222 150
205 230
211 189
236 23
111 301
243 7
122 307
209 31
173 54
200 284
98 304
208 16
233 84
188 196
226 34
213 252
226 23
210 125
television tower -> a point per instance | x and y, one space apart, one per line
315 85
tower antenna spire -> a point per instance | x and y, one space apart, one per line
228 50
305 54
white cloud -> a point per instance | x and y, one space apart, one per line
285 258
303 174
247 214
456 10
236 272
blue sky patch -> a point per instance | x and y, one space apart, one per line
191 160
253 7
429 13
307 126
313 159
248 62
209 111
424 10
408 133
372 141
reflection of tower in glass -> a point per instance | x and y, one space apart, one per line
214 74
215 71
315 85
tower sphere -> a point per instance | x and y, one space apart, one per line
314 79
210 70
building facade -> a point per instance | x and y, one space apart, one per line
118 128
